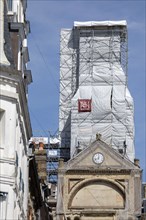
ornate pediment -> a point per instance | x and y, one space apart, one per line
99 157
96 183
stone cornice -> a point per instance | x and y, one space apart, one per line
7 160
95 211
10 70
7 180
95 171
9 95
123 162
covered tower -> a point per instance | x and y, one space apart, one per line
94 97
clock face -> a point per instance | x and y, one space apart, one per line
98 158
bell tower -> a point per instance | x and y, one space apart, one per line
94 97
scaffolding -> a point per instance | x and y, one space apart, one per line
93 66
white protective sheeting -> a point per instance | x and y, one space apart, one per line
91 68
54 140
130 125
99 23
66 64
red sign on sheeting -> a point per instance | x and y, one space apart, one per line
84 105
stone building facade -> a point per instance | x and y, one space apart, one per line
15 126
39 190
100 184
102 180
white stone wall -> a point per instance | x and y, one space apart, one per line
13 160
15 128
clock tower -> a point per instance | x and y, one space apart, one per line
102 180
99 184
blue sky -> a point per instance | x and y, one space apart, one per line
46 19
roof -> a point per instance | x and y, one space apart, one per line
113 160
100 23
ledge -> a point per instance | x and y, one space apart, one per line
19 27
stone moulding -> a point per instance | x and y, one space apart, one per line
112 184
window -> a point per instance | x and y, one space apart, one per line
20 180
3 205
2 128
10 4
22 186
16 163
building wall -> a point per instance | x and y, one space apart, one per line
109 190
90 196
143 201
15 124
39 189
13 149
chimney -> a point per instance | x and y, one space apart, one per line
61 163
41 146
